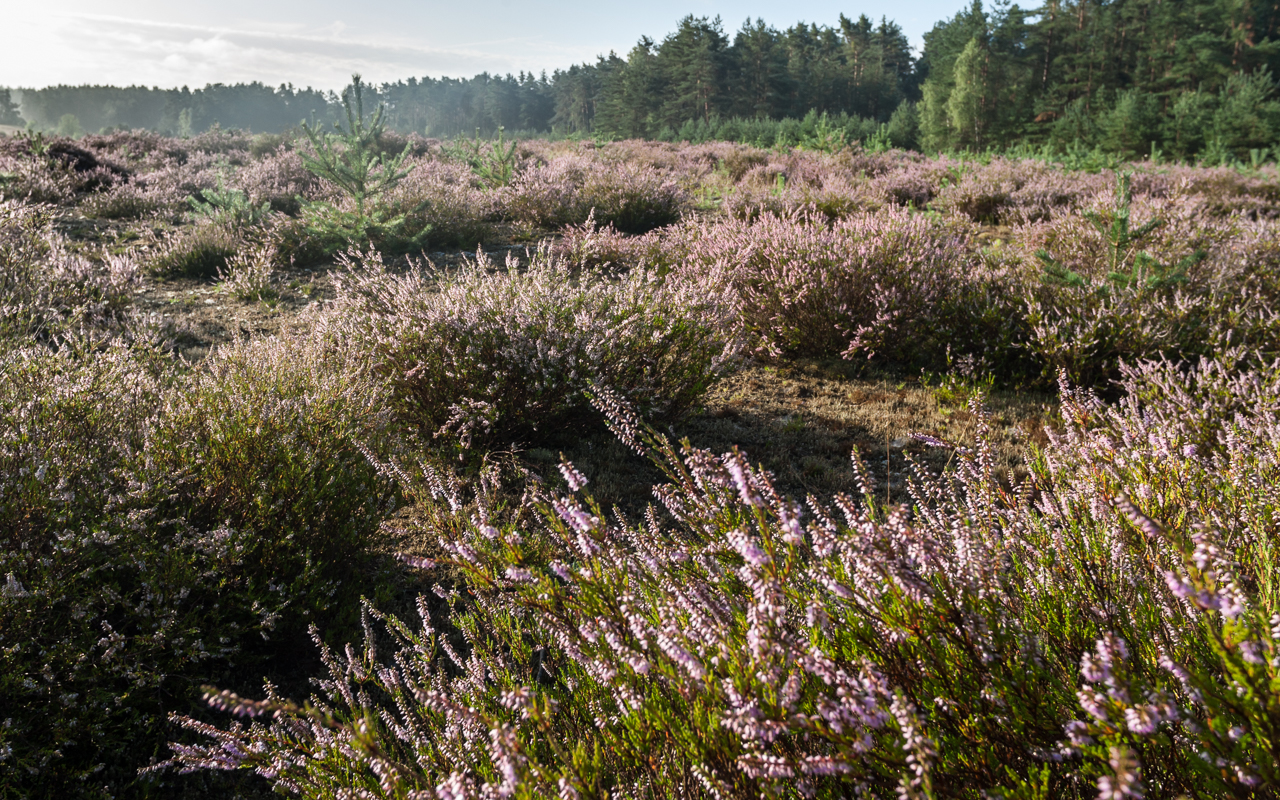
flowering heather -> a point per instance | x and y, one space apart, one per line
1098 619
800 287
46 289
250 275
490 352
446 199
135 200
161 527
634 199
278 179
1006 192
199 251
742 644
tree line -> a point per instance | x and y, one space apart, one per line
1183 78
1132 77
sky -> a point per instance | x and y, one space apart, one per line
320 43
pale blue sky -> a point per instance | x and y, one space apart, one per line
320 43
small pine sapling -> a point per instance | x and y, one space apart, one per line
495 167
1127 266
352 160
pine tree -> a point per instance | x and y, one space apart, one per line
8 109
693 63
631 94
759 84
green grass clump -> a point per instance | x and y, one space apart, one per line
199 252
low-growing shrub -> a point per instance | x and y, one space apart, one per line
634 199
1120 287
491 353
593 246
1050 640
738 161
47 290
250 274
129 201
869 283
1002 192
165 530
103 600
272 436
197 251
280 179
443 200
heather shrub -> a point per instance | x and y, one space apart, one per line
197 251
271 436
279 179
1005 192
114 603
754 198
250 274
129 201
189 176
135 147
168 530
1223 191
26 177
634 199
443 199
47 290
489 353
1089 330
592 246
267 144
1142 290
867 284
233 143
916 183
738 161
1050 640
104 600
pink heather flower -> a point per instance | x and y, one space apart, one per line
766 766
561 571
1142 719
825 765
416 562
1093 702
682 657
747 548
1251 652
1127 779
1077 733
519 575
458 786
516 699
741 479
571 475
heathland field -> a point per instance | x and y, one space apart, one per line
633 469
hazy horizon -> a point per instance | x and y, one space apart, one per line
320 44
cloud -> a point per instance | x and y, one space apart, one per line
94 48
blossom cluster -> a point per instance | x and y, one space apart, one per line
736 642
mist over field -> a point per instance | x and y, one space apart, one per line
862 407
